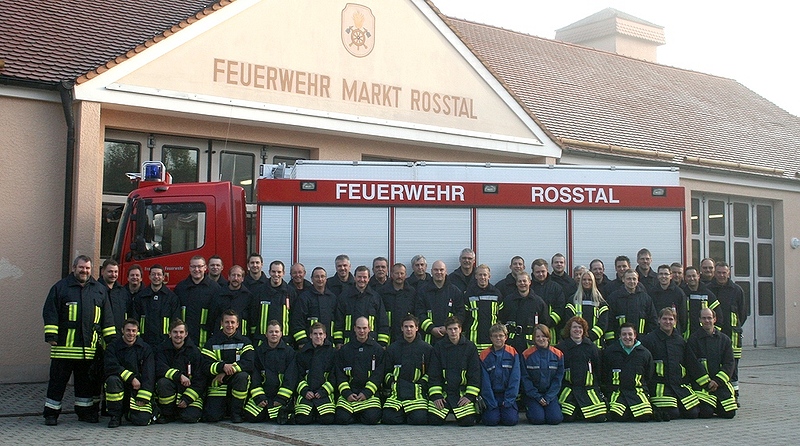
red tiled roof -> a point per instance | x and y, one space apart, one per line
588 95
49 41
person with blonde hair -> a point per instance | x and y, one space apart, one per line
589 304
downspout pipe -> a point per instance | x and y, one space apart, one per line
65 89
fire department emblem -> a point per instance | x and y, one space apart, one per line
358 29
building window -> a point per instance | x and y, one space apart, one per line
238 168
716 217
181 163
120 157
764 221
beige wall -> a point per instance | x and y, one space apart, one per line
32 155
322 146
787 260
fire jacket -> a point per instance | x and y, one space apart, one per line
407 365
482 305
553 295
312 306
434 305
173 362
129 362
274 374
521 314
155 310
359 368
398 304
314 367
270 303
353 304
636 308
455 371
76 316
196 300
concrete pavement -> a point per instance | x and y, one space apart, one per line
770 397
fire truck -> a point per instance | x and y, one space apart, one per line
316 210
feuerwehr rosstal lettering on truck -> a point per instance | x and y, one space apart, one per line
316 210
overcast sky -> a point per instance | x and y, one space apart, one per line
755 43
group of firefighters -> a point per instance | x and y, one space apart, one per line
395 348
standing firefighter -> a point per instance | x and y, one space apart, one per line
76 314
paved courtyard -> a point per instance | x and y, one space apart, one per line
770 397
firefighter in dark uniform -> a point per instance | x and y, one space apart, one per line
698 296
356 301
181 382
407 362
195 294
228 361
316 304
342 279
130 377
233 296
271 301
580 396
134 285
712 349
455 378
418 275
667 294
76 314
273 380
215 270
509 283
359 373
631 303
438 300
482 302
521 312
299 283
464 274
380 273
731 309
551 293
315 364
589 304
121 303
155 308
117 295
398 299
560 276
671 394
627 369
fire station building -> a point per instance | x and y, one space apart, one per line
90 90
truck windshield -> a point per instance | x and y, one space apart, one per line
164 228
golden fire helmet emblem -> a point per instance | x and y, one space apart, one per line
358 29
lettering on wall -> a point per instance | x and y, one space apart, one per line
306 83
